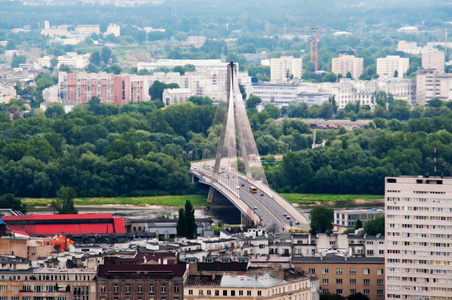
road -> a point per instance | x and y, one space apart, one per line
272 213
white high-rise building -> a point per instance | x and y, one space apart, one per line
348 63
431 84
418 258
279 67
387 67
433 59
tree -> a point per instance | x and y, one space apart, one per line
359 224
157 88
9 201
94 100
181 226
64 203
54 110
253 101
348 75
375 226
95 58
18 60
273 111
357 296
322 219
186 224
65 68
192 228
53 62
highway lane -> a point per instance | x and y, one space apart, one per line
269 211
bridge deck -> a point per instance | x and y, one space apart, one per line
265 206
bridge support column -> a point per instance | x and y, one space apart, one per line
211 195
192 178
245 221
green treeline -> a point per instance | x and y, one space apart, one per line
103 150
357 161
139 150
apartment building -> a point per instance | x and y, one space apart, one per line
201 65
48 283
346 218
431 84
418 240
285 66
176 96
433 59
345 275
348 63
279 94
110 88
291 285
387 67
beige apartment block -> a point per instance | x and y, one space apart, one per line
293 285
345 275
280 67
347 63
418 237
433 59
387 67
431 84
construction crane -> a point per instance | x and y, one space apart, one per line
316 40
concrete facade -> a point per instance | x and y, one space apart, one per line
345 275
347 63
418 240
387 66
433 59
280 67
431 84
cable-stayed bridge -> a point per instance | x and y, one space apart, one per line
232 167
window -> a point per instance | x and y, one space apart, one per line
325 271
366 281
248 293
190 292
259 293
325 281
366 292
14 288
352 271
338 281
339 291
240 293
217 293
103 289
380 282
139 289
163 288
127 288
380 292
325 291
209 292
15 298
225 292
352 291
3 287
311 271
151 289
201 292
380 272
115 289
233 293
366 271
352 281
338 271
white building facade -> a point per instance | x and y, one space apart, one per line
433 59
431 84
418 258
281 67
387 67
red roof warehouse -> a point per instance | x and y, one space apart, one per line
72 224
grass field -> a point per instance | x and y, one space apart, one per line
329 198
196 200
200 200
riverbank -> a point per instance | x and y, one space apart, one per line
298 200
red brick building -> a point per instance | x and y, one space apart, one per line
109 88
